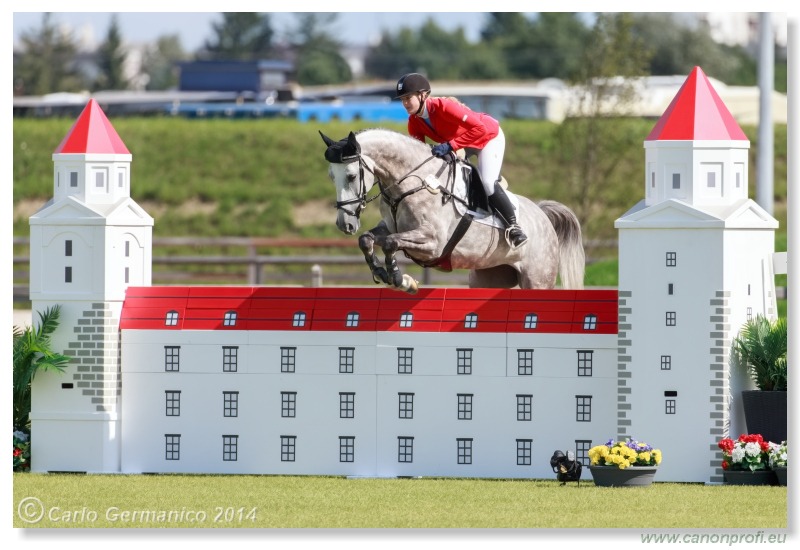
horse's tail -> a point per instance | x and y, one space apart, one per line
572 259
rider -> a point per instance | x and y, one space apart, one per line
454 126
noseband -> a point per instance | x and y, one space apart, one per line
361 200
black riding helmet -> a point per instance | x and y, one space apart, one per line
412 83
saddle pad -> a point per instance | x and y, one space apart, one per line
481 216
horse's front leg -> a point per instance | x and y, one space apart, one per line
418 241
366 243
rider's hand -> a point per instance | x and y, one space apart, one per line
442 149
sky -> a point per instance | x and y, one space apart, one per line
353 28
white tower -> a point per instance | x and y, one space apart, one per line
87 245
695 262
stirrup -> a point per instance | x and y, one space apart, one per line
520 239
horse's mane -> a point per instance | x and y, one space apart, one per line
396 137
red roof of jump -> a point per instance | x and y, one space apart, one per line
92 133
370 309
696 113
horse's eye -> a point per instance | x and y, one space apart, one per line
351 178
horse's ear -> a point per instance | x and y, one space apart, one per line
351 140
328 141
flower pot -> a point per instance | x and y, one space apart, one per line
765 414
746 477
632 476
780 473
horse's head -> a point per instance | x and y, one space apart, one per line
353 179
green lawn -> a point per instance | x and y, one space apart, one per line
74 500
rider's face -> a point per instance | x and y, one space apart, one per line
411 103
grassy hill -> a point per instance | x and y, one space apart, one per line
219 177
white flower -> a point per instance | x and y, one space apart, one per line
752 449
737 454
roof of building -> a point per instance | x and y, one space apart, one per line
696 113
369 309
92 133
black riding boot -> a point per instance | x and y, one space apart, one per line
501 204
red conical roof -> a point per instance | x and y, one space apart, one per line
696 113
92 133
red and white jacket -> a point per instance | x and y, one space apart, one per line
454 123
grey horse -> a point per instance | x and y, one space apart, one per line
424 216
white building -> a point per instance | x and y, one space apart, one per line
372 382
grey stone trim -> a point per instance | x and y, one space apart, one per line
624 342
719 378
95 352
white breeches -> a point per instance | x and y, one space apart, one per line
490 160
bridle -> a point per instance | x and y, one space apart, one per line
394 203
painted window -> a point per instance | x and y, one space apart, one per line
471 320
670 289
583 408
352 319
100 181
230 448
749 313
406 319
288 359
347 404
463 361
230 404
68 274
127 275
669 406
666 362
347 444
672 259
172 358
172 446
346 359
672 318
531 321
299 319
229 320
288 443
464 447
405 449
465 406
73 179
585 362
525 362
405 405
524 407
173 402
68 247
582 447
171 319
524 447
405 358
676 181
288 404
230 358
590 322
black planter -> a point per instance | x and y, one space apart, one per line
765 414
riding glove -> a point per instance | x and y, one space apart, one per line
442 149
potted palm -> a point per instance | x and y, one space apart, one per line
760 348
32 353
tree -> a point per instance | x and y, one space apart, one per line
111 60
318 57
47 62
547 46
594 138
240 35
159 63
32 354
437 53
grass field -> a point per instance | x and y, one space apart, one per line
243 501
